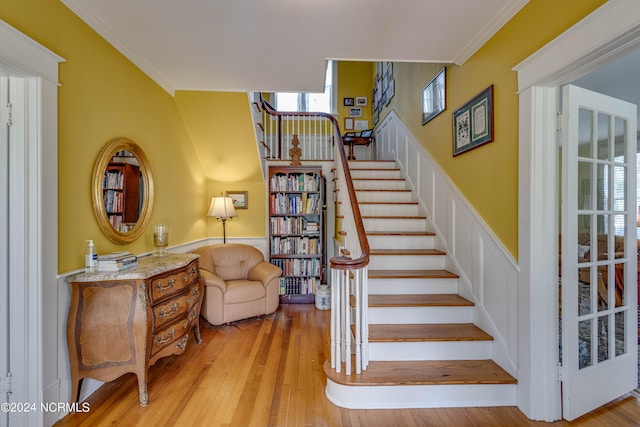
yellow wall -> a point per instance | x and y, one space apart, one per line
102 96
354 79
487 176
221 128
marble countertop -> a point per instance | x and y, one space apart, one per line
147 266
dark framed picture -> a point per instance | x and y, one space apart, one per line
473 123
240 199
361 101
434 97
349 102
355 112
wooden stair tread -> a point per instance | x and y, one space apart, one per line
427 332
394 217
411 274
406 252
404 190
400 233
419 300
387 203
430 372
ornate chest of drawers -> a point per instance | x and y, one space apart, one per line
124 322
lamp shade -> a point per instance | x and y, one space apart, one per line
222 207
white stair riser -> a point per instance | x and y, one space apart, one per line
412 286
388 208
396 224
407 262
401 242
381 173
421 396
372 165
436 350
384 196
410 315
379 184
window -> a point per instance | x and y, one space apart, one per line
618 192
313 102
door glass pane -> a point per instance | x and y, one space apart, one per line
584 238
584 291
584 343
585 133
603 287
621 344
620 138
620 271
585 199
604 132
603 187
619 187
603 338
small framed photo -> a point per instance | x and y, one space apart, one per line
473 123
240 199
361 101
355 112
434 97
348 102
348 123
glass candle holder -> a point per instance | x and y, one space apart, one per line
161 239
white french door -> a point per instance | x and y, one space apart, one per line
599 261
4 251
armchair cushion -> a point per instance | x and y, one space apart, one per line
239 283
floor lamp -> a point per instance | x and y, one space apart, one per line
222 208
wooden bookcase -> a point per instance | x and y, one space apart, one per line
296 230
122 194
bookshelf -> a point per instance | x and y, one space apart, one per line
121 190
296 230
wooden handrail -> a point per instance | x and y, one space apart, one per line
338 263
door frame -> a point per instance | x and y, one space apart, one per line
34 214
608 33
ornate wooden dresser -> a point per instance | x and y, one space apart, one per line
125 321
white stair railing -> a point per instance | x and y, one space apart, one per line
349 277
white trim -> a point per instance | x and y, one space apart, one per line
608 32
25 57
33 218
504 16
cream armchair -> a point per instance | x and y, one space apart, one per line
239 283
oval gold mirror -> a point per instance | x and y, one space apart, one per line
122 190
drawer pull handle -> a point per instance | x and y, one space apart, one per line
185 278
183 343
160 286
164 312
162 340
195 292
192 271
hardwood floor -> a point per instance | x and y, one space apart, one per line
268 372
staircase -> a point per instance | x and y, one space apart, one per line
424 349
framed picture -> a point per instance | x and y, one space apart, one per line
434 97
473 123
348 123
348 102
361 125
355 112
240 199
361 101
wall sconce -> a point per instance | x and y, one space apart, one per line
222 208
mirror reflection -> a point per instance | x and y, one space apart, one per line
122 190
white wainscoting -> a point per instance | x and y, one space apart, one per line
488 272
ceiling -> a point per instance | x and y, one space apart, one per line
283 45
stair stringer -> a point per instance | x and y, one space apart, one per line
444 204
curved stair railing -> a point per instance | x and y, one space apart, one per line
320 139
